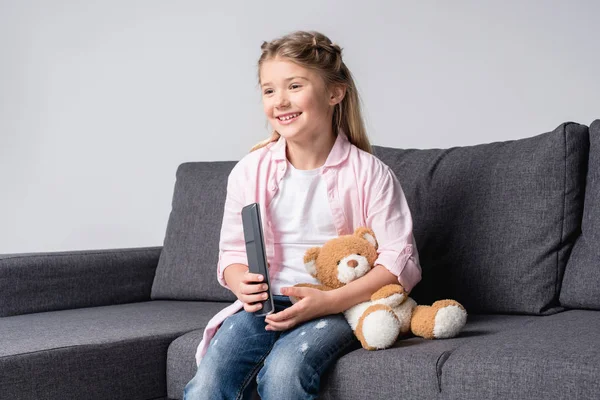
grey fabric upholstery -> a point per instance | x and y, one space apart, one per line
410 370
113 352
553 357
581 283
495 223
36 282
187 265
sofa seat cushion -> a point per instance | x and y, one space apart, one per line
581 283
109 352
553 357
409 370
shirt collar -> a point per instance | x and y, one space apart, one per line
339 152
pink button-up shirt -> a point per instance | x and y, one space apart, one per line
362 191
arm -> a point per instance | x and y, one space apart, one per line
360 290
315 303
388 214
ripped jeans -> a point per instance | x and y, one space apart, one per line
287 364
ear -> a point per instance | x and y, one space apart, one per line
310 259
336 94
366 234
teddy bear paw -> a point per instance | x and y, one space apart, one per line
450 318
378 327
391 295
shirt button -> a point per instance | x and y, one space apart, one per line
282 168
273 188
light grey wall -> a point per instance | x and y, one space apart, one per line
100 101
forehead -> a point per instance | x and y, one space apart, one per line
277 70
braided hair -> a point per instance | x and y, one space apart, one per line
314 50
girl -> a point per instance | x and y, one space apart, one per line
314 179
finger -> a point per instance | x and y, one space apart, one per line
296 291
254 298
286 314
250 277
252 307
281 326
252 289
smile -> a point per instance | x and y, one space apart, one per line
286 119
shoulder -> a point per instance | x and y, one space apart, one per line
368 165
248 165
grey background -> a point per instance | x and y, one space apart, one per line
100 101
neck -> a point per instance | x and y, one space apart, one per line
311 153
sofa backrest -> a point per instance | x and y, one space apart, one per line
495 223
581 283
187 268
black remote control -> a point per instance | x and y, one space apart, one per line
256 252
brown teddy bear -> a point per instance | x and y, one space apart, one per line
390 312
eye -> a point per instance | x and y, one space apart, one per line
295 86
268 91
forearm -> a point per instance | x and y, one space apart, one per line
361 289
233 276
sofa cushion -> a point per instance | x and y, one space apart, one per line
581 283
409 370
494 223
187 268
552 357
108 352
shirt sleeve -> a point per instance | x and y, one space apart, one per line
389 217
232 247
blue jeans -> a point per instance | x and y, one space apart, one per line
289 363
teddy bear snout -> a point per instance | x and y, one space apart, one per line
353 263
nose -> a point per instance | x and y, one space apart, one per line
282 101
353 263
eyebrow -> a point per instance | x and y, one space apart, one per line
288 79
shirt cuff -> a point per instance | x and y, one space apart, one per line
403 265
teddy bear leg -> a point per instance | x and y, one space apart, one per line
442 320
378 327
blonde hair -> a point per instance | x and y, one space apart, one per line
315 51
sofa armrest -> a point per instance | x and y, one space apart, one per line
38 282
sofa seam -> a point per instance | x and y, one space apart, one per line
83 253
562 226
136 340
439 364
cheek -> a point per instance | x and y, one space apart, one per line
268 109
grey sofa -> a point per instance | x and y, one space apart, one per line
510 229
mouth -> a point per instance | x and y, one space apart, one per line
288 118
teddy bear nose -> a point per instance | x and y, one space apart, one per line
353 263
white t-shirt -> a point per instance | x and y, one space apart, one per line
301 219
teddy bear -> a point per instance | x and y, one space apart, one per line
390 312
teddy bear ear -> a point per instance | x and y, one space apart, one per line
367 234
310 260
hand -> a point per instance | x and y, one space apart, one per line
313 303
251 290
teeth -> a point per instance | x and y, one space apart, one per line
288 117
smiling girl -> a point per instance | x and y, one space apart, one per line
314 179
